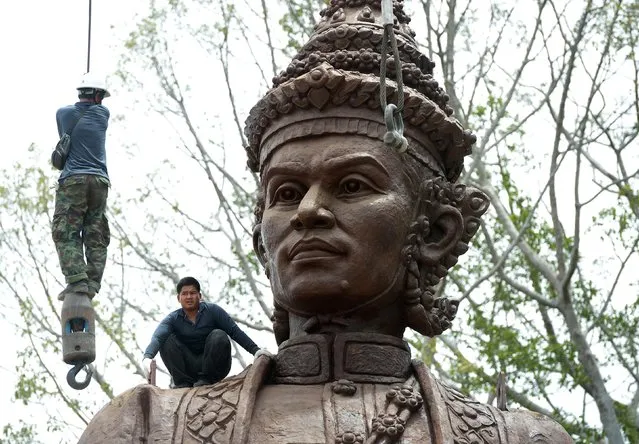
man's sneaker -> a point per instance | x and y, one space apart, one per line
91 292
76 287
202 381
182 385
94 288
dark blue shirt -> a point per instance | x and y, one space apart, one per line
87 154
193 335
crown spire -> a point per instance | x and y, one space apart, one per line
336 74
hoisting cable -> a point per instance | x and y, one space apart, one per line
394 136
89 39
78 316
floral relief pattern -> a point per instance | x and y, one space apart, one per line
210 414
539 438
344 387
389 424
471 421
350 438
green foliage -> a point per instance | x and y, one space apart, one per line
520 318
25 434
628 422
29 387
514 321
298 22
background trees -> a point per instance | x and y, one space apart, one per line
549 296
556 131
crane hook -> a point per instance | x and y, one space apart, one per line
73 373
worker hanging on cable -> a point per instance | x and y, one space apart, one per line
80 229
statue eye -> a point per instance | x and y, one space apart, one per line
287 194
352 186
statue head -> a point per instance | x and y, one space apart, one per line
353 233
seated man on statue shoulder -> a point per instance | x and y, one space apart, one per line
193 341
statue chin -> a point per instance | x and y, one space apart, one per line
315 300
308 295
319 291
334 307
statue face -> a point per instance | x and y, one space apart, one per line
337 211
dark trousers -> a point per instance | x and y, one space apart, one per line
186 367
80 228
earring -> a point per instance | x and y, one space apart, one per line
424 313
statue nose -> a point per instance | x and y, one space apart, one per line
313 211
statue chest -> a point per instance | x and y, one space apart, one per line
338 412
246 409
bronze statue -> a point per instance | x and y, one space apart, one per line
354 234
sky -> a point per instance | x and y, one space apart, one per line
43 54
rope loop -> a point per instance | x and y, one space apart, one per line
394 137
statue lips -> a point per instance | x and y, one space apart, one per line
313 249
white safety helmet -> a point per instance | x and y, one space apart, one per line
89 81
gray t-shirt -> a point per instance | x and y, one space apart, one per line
87 154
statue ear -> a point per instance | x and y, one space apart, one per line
446 229
258 245
449 219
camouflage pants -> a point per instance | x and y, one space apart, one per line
80 228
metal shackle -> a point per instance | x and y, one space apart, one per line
394 137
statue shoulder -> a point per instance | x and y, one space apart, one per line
212 411
534 428
149 414
484 424
221 413
131 414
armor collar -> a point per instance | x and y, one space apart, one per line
357 357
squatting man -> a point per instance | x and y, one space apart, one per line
193 341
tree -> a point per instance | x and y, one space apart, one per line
547 93
28 282
160 233
551 89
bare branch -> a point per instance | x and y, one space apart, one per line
268 36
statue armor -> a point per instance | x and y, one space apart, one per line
300 397
343 374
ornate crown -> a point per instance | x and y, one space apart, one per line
333 84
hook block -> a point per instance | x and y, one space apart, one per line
78 329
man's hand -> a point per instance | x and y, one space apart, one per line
262 351
146 366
